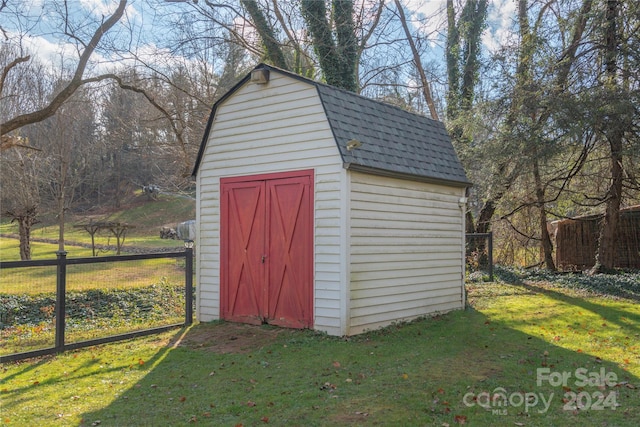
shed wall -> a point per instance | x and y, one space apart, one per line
270 128
406 250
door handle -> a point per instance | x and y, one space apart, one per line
263 258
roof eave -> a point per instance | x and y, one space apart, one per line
207 130
407 176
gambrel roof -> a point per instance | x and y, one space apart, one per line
394 142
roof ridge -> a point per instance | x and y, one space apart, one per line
335 88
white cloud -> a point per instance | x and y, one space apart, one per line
502 14
101 8
49 53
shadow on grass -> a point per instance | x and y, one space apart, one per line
621 318
39 367
623 285
448 369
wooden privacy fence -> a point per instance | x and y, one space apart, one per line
82 304
576 240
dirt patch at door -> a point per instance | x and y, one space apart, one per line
230 338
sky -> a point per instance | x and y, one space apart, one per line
41 41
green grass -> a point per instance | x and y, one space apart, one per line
120 274
10 250
420 373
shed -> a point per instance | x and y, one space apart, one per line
319 208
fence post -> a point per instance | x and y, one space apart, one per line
491 256
61 290
188 310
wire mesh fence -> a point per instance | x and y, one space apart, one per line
27 308
48 306
479 256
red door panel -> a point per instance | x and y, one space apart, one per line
266 237
290 255
243 245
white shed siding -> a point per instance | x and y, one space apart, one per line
271 128
405 250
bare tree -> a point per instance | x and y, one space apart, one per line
20 194
87 49
426 86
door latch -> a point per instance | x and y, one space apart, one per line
263 258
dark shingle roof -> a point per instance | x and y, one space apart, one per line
394 141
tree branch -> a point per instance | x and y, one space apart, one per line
8 68
426 86
77 81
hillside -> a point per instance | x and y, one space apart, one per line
145 217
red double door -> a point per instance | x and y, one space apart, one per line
266 234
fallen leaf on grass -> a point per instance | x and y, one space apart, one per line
264 419
460 419
182 398
336 364
251 404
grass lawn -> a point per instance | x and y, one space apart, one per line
120 274
559 356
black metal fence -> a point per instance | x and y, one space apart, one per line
82 290
479 253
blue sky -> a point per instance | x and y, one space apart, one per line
41 41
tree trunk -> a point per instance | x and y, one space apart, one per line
426 86
545 239
606 253
25 221
614 132
265 30
337 58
